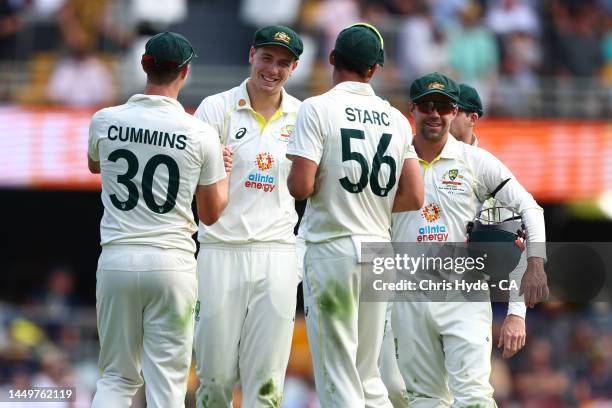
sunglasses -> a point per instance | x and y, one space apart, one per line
443 108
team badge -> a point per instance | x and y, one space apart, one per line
452 174
286 132
435 85
431 212
281 36
264 161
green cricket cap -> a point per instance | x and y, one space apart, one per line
434 83
469 100
169 49
360 44
279 35
381 56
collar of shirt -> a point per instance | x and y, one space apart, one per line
156 100
360 88
242 100
449 151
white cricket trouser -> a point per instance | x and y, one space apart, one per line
247 298
389 370
144 306
345 336
444 352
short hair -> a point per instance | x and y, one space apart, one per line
160 74
344 63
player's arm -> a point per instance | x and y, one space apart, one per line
211 200
305 150
410 191
93 154
301 180
212 192
500 183
94 165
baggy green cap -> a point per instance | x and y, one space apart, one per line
469 100
279 35
169 49
434 83
381 56
360 44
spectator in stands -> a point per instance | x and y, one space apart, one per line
509 16
420 45
81 79
474 53
540 385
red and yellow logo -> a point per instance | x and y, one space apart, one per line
431 212
264 161
281 36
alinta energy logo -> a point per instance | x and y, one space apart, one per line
438 232
259 180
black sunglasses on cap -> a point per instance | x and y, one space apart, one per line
442 107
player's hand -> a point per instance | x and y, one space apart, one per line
512 335
227 158
534 283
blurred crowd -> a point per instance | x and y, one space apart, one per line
50 339
512 51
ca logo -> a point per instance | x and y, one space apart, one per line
240 133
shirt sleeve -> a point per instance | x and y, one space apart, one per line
94 137
213 169
211 112
307 140
495 179
406 132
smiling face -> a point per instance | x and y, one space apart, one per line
433 125
271 66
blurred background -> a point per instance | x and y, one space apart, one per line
543 68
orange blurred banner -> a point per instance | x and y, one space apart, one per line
556 160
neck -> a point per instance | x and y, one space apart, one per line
340 75
264 103
467 138
170 90
427 150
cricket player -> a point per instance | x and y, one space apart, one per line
444 348
353 158
513 332
247 265
153 157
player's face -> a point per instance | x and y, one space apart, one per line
433 115
461 127
271 66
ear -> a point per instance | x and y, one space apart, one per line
332 59
185 71
294 66
372 71
252 54
473 118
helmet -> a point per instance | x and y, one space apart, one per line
497 233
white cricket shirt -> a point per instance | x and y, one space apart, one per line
152 156
260 208
359 142
457 183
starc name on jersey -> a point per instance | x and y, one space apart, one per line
147 136
366 116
